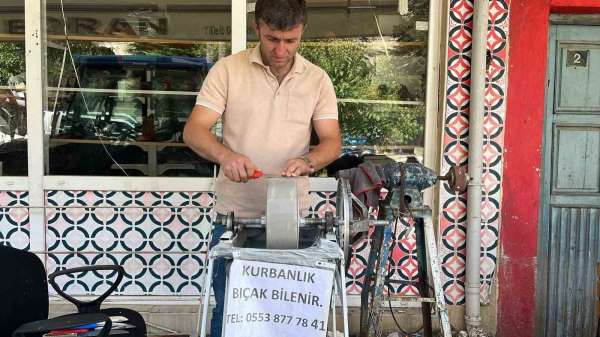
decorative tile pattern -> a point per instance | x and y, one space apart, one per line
145 273
321 202
14 219
162 244
160 238
453 212
401 265
156 236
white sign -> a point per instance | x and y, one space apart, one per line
421 25
276 300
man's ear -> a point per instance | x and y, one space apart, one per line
255 26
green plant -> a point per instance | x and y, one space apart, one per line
12 60
353 73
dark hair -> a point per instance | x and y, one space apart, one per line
281 14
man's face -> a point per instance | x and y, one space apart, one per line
278 47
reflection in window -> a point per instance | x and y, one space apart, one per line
139 69
13 114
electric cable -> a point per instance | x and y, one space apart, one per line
399 281
62 69
68 45
385 47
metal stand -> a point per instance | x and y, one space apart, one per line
427 251
282 226
423 284
427 261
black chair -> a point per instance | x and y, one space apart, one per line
24 299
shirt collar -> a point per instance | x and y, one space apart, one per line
298 67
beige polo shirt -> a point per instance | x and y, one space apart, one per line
268 122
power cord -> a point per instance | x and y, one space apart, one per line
385 47
404 332
68 49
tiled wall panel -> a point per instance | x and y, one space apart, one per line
14 219
455 140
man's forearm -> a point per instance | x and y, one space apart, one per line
323 154
206 145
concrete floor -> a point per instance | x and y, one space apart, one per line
179 318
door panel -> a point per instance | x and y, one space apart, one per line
570 230
577 159
586 94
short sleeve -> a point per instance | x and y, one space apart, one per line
326 107
213 94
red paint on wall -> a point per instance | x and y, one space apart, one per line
528 48
521 186
574 6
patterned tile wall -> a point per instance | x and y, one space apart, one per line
402 262
455 138
14 219
160 238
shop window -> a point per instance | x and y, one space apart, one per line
13 117
139 67
376 55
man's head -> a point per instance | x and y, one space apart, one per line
281 14
279 26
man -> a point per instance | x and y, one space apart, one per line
269 97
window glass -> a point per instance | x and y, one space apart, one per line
376 55
13 115
139 67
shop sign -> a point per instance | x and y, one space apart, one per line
270 299
93 26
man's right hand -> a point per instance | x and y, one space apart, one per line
198 137
237 167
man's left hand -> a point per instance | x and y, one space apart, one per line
297 167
